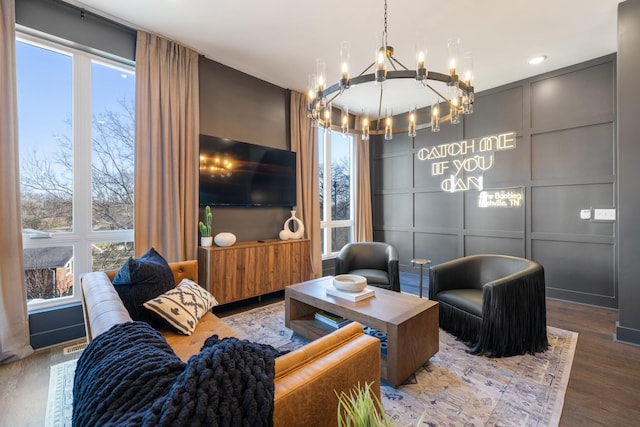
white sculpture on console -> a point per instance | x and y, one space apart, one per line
286 233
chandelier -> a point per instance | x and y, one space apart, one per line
457 96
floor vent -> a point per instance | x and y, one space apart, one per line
74 348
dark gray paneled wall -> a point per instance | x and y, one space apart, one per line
241 107
628 171
563 161
238 106
573 147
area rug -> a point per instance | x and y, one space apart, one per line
60 399
454 388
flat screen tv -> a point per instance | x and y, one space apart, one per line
234 173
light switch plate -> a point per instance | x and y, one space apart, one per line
604 214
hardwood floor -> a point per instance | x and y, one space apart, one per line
24 386
604 387
603 390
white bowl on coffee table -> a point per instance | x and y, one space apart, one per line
350 282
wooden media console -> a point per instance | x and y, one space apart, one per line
249 269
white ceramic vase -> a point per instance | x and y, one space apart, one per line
206 241
225 239
298 231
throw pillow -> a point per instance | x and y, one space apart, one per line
183 306
139 280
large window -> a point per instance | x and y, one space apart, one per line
76 127
336 190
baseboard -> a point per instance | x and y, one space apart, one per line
627 335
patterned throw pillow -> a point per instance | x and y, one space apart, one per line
183 306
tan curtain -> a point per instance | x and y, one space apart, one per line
364 217
304 141
167 128
14 324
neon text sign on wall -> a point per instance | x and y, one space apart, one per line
461 164
504 198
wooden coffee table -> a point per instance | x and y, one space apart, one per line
411 323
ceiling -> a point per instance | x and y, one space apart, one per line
279 41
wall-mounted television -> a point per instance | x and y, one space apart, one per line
234 173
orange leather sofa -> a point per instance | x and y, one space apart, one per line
306 380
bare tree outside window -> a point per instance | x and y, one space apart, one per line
335 192
46 180
340 188
112 169
47 194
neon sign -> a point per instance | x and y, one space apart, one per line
504 198
461 164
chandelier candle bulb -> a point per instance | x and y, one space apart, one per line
412 122
381 72
344 81
435 117
321 70
467 104
421 57
467 64
388 126
365 127
310 99
327 116
381 58
344 120
455 110
421 70
344 61
454 47
320 86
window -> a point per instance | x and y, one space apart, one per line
76 130
336 190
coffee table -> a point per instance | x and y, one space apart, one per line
411 323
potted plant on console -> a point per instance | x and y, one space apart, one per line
206 239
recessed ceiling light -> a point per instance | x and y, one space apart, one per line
537 59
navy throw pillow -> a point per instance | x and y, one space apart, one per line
140 280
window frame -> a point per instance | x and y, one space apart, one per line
327 225
83 237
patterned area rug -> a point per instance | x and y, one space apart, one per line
455 388
452 389
60 400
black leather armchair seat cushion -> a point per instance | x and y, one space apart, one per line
376 261
495 303
374 277
467 300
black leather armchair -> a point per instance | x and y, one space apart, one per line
495 303
377 261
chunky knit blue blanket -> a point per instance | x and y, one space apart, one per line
129 376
